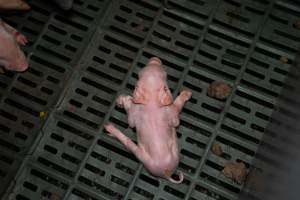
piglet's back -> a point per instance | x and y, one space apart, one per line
154 132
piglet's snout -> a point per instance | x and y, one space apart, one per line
19 65
22 67
154 61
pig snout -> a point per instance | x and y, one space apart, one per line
154 61
21 67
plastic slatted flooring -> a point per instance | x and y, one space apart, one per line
84 59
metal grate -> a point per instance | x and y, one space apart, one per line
57 43
84 59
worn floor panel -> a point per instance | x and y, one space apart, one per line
52 116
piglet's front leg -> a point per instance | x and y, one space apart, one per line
183 97
126 103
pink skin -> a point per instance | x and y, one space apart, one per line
155 115
11 56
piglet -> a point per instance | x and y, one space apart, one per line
11 55
155 116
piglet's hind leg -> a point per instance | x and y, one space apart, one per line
127 142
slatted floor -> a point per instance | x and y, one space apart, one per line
82 60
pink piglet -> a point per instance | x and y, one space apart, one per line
155 115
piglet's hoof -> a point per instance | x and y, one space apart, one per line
186 94
21 39
110 129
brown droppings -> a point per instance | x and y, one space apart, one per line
236 171
140 27
284 59
219 90
297 24
217 149
54 197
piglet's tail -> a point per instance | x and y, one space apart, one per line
181 177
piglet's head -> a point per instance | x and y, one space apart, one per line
152 87
11 56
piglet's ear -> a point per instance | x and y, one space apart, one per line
165 96
138 96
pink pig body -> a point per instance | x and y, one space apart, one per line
155 115
11 55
